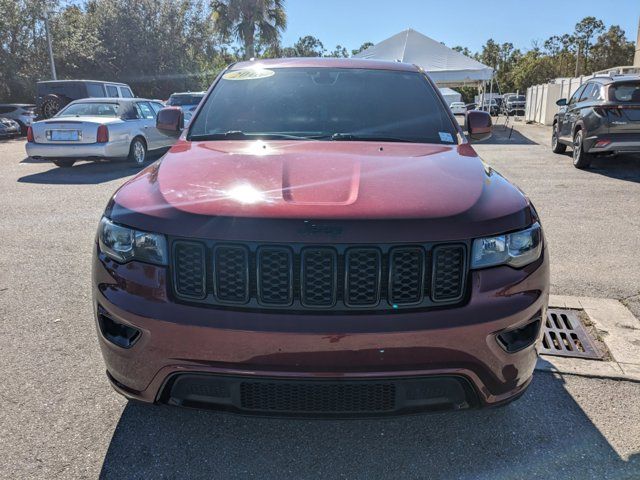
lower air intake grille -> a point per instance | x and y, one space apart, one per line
317 397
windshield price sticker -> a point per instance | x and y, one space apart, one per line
249 74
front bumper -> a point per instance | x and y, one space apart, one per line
403 348
79 150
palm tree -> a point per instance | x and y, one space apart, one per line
250 21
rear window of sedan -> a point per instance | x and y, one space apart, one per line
626 92
325 102
93 109
182 99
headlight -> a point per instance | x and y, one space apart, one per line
516 249
124 244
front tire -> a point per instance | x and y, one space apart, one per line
556 146
581 159
64 163
138 151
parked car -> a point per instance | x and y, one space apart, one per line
601 118
9 128
53 95
514 105
187 101
311 247
458 108
22 113
98 128
490 106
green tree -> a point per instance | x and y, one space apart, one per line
307 46
252 22
612 49
362 48
339 51
585 30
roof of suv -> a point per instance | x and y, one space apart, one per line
83 81
606 79
112 99
317 62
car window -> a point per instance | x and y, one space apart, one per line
321 102
126 92
146 110
595 93
626 92
156 106
112 91
180 99
91 109
7 109
95 90
576 95
586 93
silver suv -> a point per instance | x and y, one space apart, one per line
22 113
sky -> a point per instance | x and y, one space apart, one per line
468 23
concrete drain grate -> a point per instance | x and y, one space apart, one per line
564 335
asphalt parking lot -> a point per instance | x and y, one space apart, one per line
60 418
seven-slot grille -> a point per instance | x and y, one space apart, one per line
319 277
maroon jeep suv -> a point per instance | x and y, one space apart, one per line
321 240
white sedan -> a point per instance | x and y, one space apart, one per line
98 128
458 108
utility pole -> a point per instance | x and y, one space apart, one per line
46 29
577 59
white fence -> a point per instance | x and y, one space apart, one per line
541 99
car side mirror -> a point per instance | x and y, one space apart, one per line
170 120
479 125
562 102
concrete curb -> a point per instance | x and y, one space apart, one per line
619 330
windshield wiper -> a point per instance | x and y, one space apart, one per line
240 135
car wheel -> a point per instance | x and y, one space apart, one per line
138 151
65 163
581 159
556 146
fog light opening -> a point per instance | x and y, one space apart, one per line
519 338
117 333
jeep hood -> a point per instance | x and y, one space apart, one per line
206 183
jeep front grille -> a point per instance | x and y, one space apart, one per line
303 277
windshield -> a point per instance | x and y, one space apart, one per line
184 99
90 110
626 92
326 103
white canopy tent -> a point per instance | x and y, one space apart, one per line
445 66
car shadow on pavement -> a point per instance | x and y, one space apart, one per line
506 133
83 172
543 433
621 167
